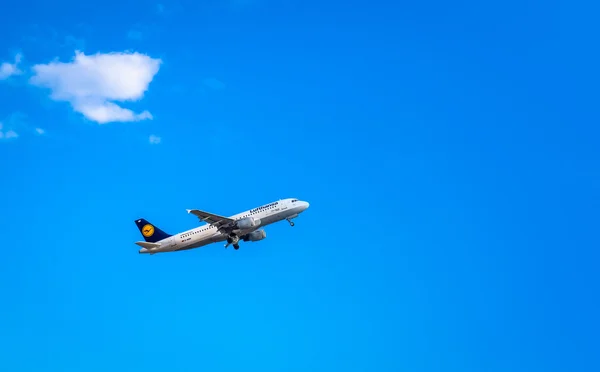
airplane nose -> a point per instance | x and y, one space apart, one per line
306 205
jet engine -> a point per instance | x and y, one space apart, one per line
248 223
255 236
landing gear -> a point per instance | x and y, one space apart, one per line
233 239
290 221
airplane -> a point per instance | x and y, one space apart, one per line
240 227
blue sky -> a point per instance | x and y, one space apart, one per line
449 152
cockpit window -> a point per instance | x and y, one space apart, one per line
294 200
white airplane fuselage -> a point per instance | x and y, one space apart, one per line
280 210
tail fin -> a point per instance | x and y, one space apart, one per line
151 233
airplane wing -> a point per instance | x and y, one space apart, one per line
220 222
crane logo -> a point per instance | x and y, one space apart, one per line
148 230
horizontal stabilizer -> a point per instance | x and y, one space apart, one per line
148 245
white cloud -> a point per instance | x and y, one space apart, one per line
11 134
154 140
91 83
8 134
15 125
9 69
107 112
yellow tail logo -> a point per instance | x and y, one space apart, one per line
148 230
